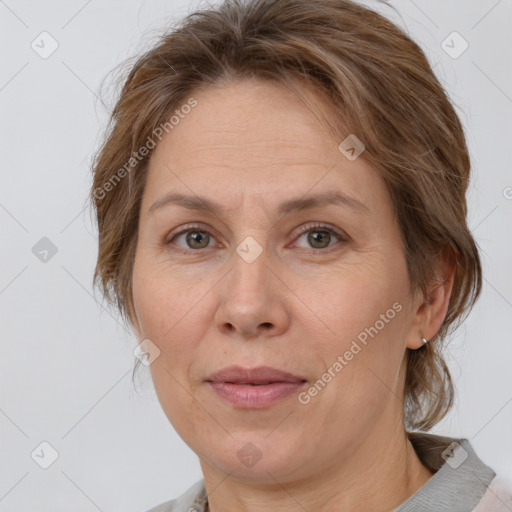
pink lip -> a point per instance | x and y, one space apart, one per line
254 388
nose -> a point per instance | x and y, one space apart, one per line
252 300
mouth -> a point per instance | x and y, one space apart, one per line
253 383
254 388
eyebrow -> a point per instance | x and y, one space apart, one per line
193 202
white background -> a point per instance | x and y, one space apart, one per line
66 364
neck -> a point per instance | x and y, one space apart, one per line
379 475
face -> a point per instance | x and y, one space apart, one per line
291 260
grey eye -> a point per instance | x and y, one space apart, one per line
319 239
196 239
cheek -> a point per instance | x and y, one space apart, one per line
178 404
350 298
169 319
363 380
363 319
175 326
169 308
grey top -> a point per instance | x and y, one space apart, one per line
460 482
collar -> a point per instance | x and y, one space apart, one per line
460 480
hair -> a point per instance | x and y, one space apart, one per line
380 87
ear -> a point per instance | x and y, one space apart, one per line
430 309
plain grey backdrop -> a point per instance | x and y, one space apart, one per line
66 363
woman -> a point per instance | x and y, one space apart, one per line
282 219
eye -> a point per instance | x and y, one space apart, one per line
320 236
192 237
317 237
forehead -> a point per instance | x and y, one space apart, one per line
265 119
258 137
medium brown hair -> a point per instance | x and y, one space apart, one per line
381 88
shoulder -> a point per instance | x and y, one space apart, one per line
497 497
192 500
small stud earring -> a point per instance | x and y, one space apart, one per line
423 340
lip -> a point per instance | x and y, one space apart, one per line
254 388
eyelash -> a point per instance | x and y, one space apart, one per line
305 229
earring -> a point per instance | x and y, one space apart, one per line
424 341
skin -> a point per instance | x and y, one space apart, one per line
250 146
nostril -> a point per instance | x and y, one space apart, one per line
266 325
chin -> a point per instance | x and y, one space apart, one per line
257 458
